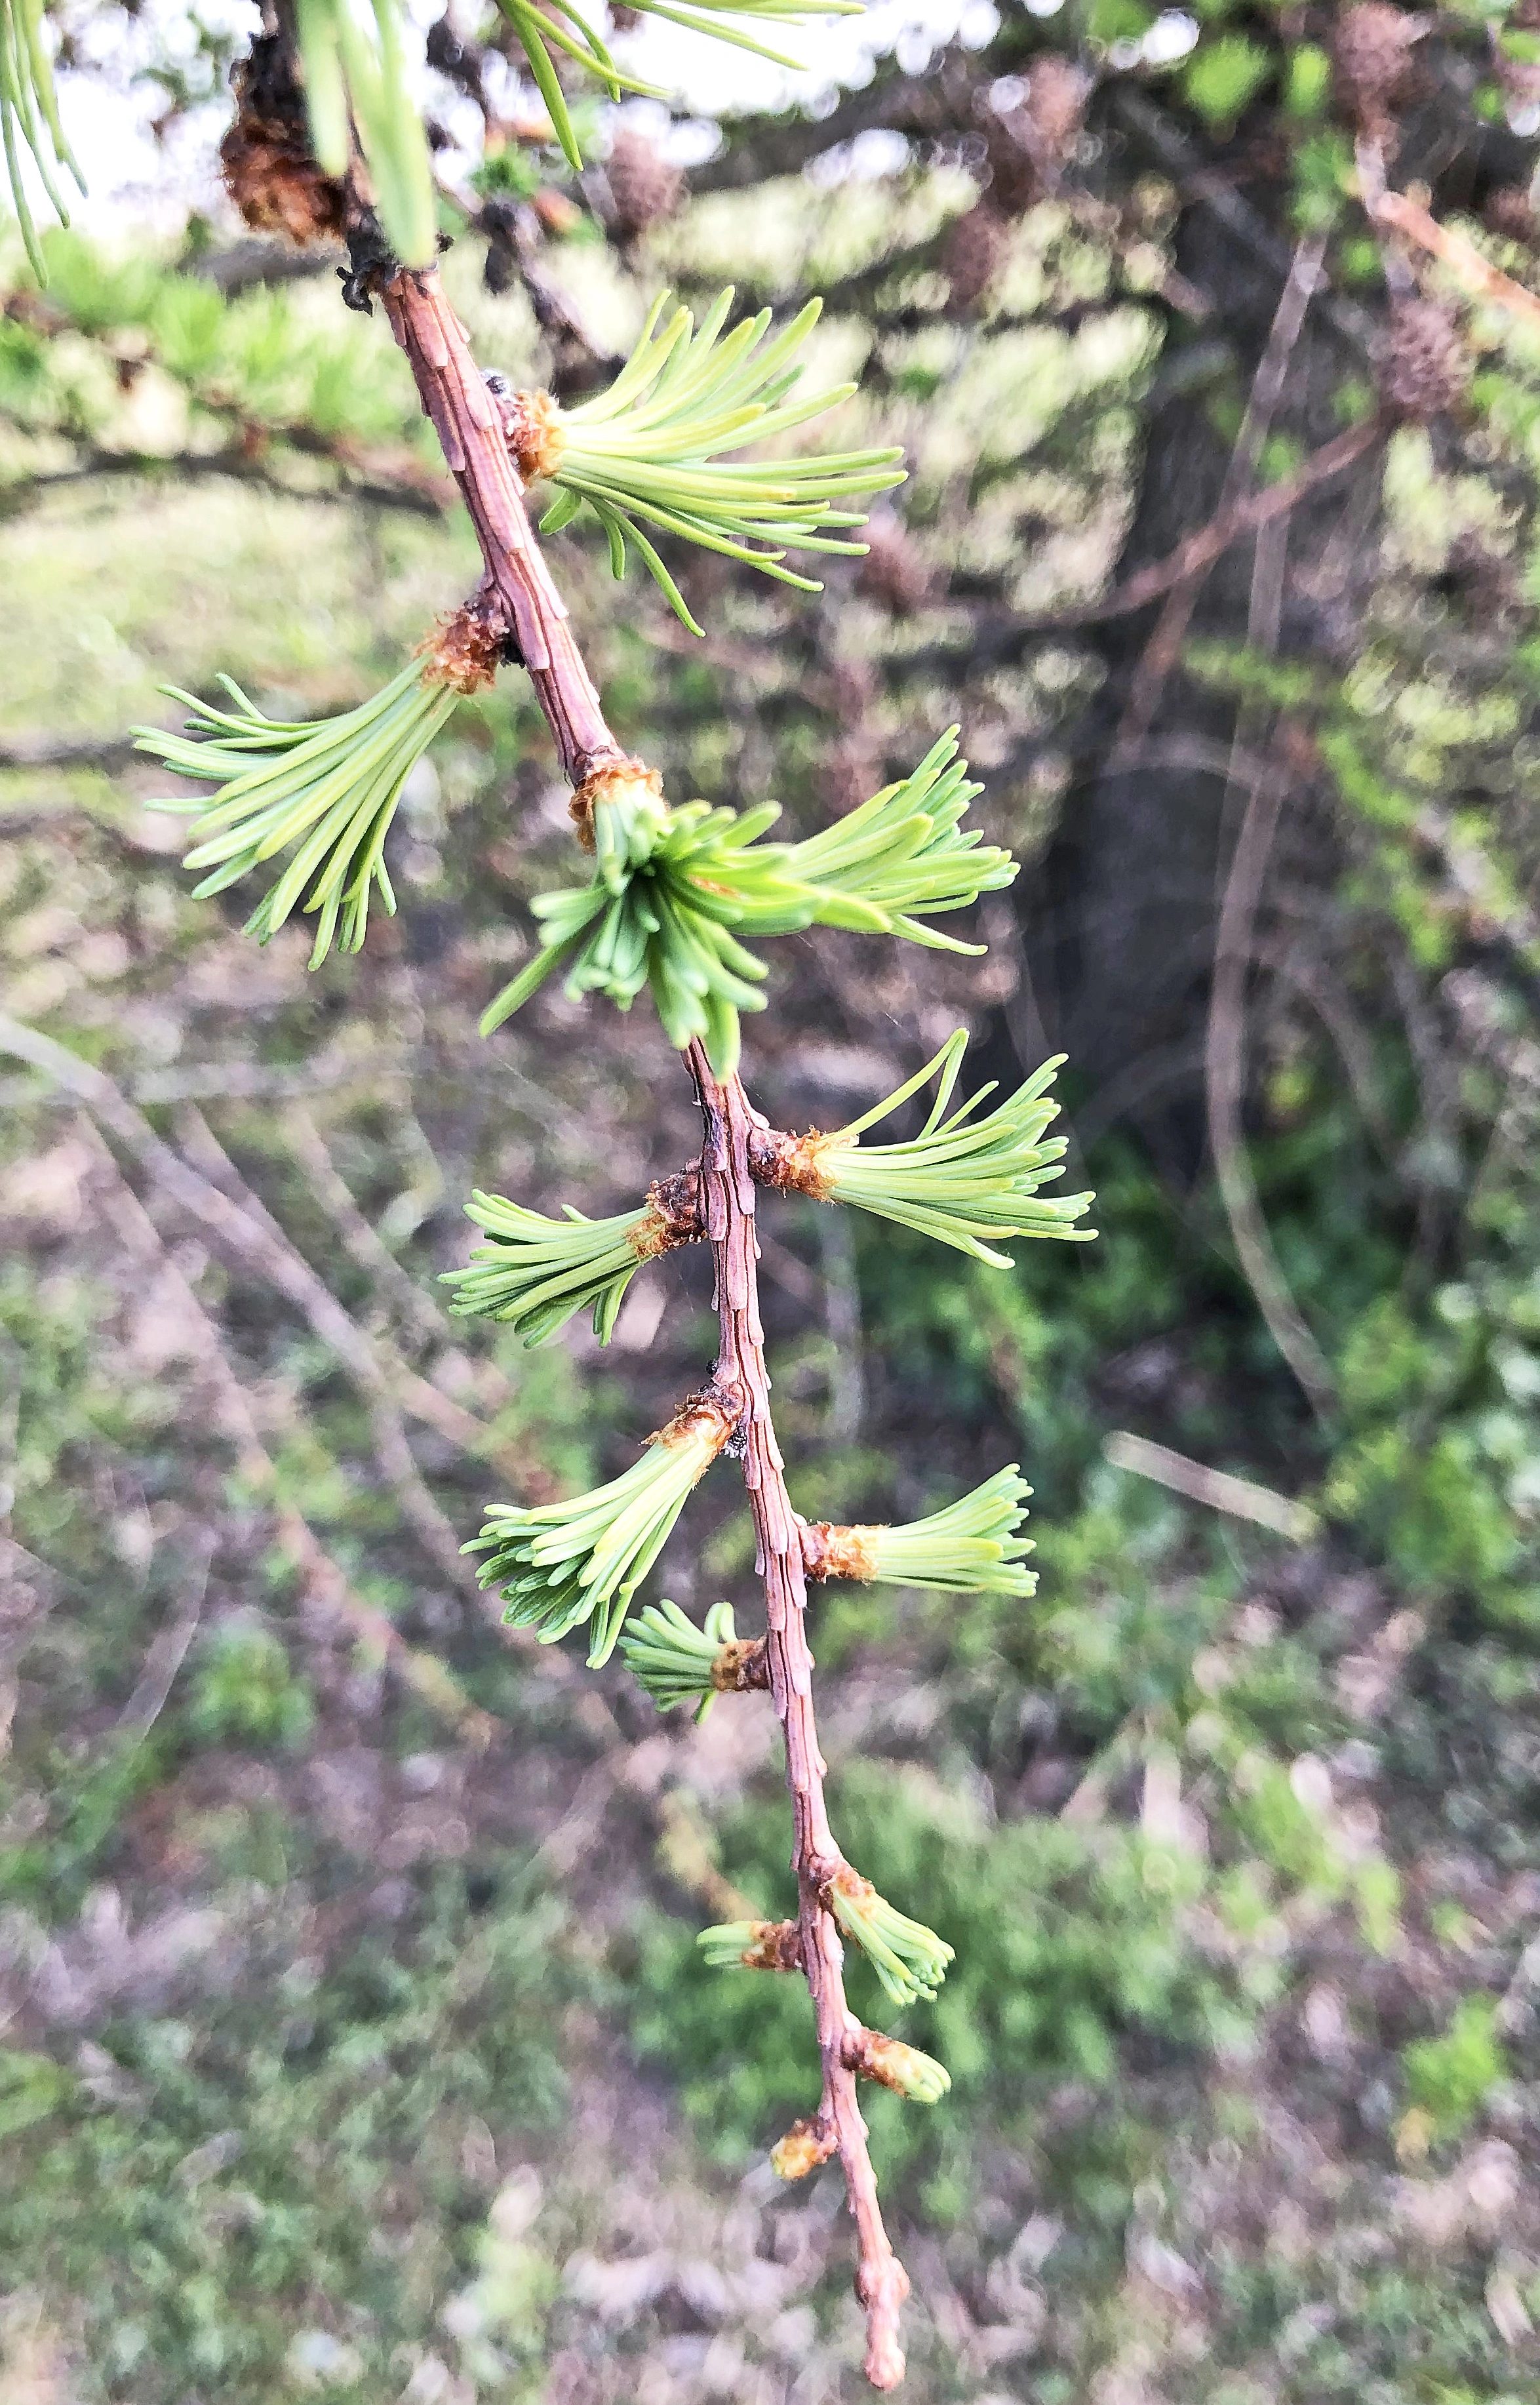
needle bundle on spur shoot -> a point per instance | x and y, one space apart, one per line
673 898
649 450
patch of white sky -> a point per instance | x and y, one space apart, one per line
149 176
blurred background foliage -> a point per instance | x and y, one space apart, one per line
353 2039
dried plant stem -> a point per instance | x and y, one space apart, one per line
325 1584
1480 279
1247 515
469 429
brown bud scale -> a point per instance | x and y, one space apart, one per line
464 650
790 1164
533 432
775 1946
872 2056
673 1216
712 1413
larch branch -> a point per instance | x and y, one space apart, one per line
468 425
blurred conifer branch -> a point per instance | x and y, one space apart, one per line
559 26
29 119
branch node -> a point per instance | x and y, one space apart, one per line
466 648
740 1668
674 1215
892 2064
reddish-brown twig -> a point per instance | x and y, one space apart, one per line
469 426
881 2282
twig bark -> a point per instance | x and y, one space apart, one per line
469 428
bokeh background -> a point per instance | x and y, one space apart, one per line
352 2036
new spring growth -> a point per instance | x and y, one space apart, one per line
536 1272
962 1180
752 1945
678 1663
557 1565
648 451
904 2068
909 1959
324 791
972 1547
673 919
29 119
356 75
666 925
902 855
727 20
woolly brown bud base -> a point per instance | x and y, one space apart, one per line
773 1945
614 781
533 432
742 1668
708 1418
789 1164
884 2059
673 1216
830 1551
464 650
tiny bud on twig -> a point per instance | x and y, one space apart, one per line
752 1945
892 2064
804 2146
